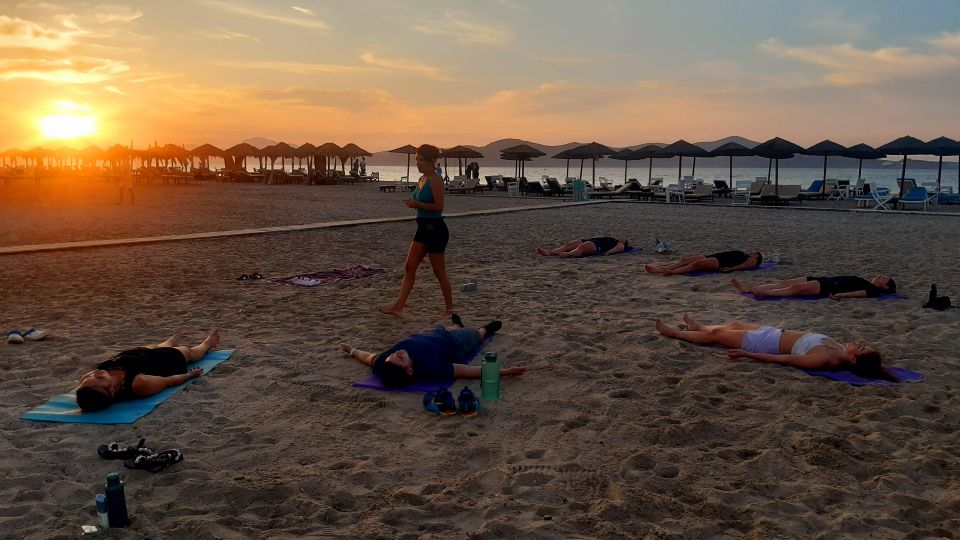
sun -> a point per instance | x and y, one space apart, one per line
67 126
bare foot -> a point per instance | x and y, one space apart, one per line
213 339
662 328
742 287
692 324
393 310
445 315
651 268
543 251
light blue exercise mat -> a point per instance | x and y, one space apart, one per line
63 408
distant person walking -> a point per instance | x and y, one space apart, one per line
126 186
363 166
432 234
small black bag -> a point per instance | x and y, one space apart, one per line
939 303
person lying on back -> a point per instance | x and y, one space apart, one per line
723 261
430 356
835 287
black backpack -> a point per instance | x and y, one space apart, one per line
939 303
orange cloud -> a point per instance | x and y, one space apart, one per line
845 65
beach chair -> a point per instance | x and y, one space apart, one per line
700 193
916 195
534 187
625 191
877 196
815 191
721 189
741 193
606 184
464 184
491 182
906 184
674 192
555 188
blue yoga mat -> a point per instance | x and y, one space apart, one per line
763 266
63 408
372 380
624 252
895 296
905 375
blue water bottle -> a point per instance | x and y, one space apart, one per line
490 377
116 501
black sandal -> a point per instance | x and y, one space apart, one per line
154 462
115 451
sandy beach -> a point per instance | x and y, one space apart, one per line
614 432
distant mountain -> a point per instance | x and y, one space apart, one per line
261 142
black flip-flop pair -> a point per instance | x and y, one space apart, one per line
140 457
255 275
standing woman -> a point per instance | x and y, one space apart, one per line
432 234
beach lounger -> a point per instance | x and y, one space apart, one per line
469 185
741 193
554 189
700 193
534 187
916 195
721 189
769 194
625 191
815 191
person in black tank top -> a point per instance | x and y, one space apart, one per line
586 247
835 287
141 372
723 261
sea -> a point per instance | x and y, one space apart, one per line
800 176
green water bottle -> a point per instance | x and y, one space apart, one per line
490 377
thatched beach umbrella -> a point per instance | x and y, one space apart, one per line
280 150
563 155
520 153
825 148
459 152
730 150
239 154
861 152
91 155
906 146
592 151
680 149
407 149
328 150
350 151
625 155
777 149
648 151
205 152
305 150
942 146
519 161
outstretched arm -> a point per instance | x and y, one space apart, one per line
615 249
148 385
806 361
744 266
364 357
852 294
461 371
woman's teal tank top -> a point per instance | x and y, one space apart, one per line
424 195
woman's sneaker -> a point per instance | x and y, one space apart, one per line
15 337
440 402
467 406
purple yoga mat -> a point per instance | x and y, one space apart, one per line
905 375
372 380
763 266
895 296
327 277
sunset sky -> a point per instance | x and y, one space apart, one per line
383 73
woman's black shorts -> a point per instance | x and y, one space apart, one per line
433 233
